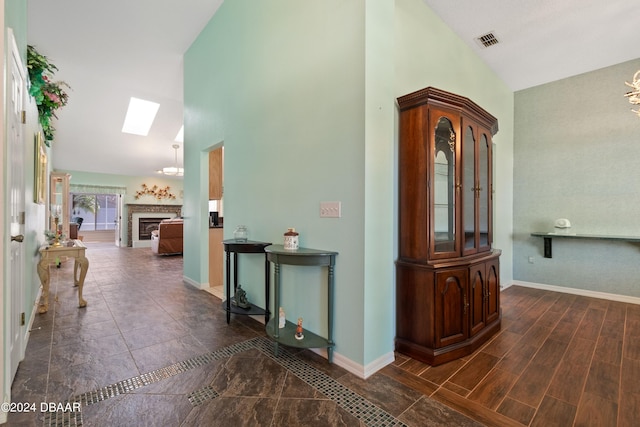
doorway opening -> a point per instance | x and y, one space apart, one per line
96 216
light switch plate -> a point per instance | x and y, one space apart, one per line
330 209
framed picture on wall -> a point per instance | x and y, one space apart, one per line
40 178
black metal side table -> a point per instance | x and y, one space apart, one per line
246 247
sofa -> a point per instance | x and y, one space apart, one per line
167 239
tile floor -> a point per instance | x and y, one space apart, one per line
149 350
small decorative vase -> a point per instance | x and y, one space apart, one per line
291 239
281 319
240 233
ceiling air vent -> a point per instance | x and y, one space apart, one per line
487 40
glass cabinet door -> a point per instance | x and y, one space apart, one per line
444 188
484 192
469 189
476 190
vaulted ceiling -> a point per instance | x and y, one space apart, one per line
110 51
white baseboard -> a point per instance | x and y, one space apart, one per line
34 313
357 369
576 291
195 284
379 363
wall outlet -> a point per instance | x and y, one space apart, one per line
330 209
531 260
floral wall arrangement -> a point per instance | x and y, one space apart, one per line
155 191
50 95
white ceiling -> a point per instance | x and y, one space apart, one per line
546 40
111 50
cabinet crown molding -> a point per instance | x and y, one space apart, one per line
435 96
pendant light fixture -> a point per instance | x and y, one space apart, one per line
174 170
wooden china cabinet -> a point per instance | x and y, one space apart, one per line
447 273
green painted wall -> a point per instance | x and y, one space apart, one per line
379 295
302 95
132 184
428 53
281 84
15 17
576 157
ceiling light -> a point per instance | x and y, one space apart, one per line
180 135
140 115
634 95
174 170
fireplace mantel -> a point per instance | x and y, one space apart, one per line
172 210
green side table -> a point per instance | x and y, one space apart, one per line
278 255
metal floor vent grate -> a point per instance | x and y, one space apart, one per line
487 40
348 400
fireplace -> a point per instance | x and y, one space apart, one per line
146 226
139 232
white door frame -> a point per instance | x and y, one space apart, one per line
12 213
6 385
118 231
17 88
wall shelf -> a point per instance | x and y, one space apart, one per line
548 238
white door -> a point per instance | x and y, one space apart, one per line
15 164
118 219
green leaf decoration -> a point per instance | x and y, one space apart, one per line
49 95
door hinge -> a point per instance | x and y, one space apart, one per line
23 116
22 319
21 219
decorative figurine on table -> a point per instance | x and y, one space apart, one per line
291 239
240 298
281 319
299 334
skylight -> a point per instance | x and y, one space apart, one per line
180 135
140 116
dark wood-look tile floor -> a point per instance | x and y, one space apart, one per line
558 360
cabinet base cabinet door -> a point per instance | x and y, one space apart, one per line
451 308
477 289
446 313
493 290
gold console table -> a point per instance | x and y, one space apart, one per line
48 255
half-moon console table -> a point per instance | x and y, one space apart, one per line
548 237
278 255
245 247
